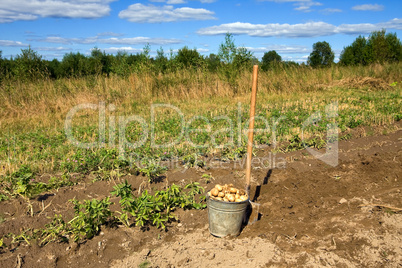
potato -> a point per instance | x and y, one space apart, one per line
214 192
232 190
231 198
238 200
218 198
221 194
219 187
237 196
243 197
225 199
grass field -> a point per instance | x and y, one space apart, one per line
199 107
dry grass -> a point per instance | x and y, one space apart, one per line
47 102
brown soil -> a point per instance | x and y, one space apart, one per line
312 215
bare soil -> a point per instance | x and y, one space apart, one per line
312 215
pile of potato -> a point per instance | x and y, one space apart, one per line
227 193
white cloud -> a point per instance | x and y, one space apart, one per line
155 14
9 43
52 48
112 40
11 10
202 50
112 50
285 49
308 29
369 7
330 10
175 2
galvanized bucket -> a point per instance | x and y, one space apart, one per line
226 218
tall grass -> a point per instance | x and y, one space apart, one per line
32 115
48 98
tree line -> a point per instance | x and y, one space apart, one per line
379 47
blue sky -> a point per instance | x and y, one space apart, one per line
291 27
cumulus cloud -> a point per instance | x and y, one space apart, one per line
330 10
11 10
58 49
113 50
308 29
369 7
155 14
281 49
10 43
112 40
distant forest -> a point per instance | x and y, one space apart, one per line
379 47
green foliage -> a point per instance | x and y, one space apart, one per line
57 230
234 60
156 209
227 50
152 168
188 58
23 183
89 216
378 48
321 56
270 58
356 53
29 66
193 160
234 153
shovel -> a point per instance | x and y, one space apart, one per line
255 207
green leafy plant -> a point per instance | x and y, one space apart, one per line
89 216
152 169
207 178
57 230
156 209
193 160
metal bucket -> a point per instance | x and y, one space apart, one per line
226 218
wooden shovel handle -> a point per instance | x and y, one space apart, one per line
251 127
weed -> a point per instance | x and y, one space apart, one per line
156 209
89 216
192 160
57 230
152 168
207 178
144 264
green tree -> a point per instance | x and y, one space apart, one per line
356 53
233 60
54 68
242 58
74 65
213 62
29 65
378 47
120 64
384 47
188 57
394 48
269 58
227 50
321 56
2 67
161 61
